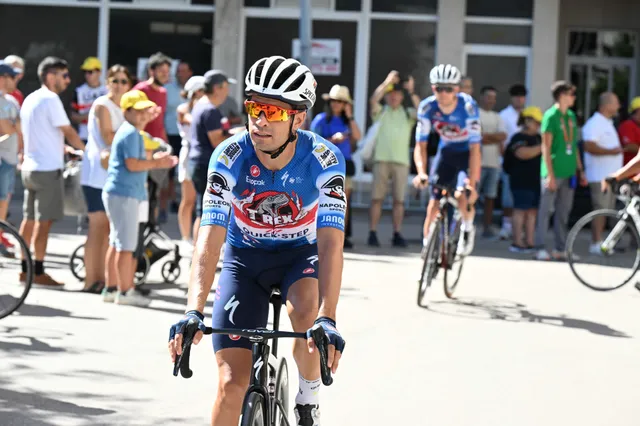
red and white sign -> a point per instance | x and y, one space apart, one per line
326 55
255 171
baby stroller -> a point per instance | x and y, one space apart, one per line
153 244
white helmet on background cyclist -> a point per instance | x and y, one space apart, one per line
283 79
445 74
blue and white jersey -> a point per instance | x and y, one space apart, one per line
457 130
275 209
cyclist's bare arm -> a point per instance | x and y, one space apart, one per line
475 164
420 158
632 168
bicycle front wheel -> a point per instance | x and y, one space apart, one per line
253 413
430 265
607 264
453 262
15 283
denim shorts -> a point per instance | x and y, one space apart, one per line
93 197
507 198
123 219
489 179
7 179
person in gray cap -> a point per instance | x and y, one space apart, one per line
208 129
9 144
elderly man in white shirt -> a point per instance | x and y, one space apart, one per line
510 116
603 156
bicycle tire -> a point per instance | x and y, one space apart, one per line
7 228
253 411
452 249
75 261
430 261
575 231
282 393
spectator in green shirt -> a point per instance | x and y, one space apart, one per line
559 168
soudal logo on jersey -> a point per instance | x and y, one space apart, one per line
272 209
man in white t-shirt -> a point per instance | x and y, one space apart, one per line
45 126
602 157
493 134
510 115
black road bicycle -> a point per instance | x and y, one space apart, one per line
442 245
266 402
15 285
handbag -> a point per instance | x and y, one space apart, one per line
367 145
74 202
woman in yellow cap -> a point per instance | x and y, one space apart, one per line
522 164
124 191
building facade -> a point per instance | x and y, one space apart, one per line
593 43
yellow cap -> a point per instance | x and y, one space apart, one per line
150 144
533 112
635 104
91 63
135 99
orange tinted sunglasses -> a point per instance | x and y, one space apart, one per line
271 112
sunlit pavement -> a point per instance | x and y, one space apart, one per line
525 344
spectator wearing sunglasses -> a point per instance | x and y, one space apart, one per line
45 126
208 129
85 94
560 165
105 117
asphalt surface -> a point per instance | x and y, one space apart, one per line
524 344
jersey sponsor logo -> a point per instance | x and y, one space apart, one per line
325 156
213 217
450 130
234 337
473 125
308 271
333 219
335 187
254 182
276 234
470 108
272 208
231 306
284 178
212 201
217 184
313 259
255 171
230 154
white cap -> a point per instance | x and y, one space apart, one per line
194 84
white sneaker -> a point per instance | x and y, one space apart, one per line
543 255
108 296
132 298
466 242
596 248
505 234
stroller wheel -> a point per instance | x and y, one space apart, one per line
76 263
144 265
170 271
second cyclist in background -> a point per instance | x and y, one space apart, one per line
454 116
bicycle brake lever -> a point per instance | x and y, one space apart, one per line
182 362
322 344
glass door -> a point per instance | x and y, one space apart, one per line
592 79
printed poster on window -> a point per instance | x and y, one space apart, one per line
326 55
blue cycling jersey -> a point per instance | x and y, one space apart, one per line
275 209
457 130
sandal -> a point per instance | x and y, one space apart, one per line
95 288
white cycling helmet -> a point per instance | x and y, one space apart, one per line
445 74
284 79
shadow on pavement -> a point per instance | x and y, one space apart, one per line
47 311
493 309
34 345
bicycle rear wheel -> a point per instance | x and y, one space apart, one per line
76 263
613 262
453 262
15 284
253 412
430 264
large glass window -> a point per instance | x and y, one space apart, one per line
500 8
280 34
616 44
405 6
66 32
514 35
181 35
500 72
352 5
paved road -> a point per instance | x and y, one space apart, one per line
525 344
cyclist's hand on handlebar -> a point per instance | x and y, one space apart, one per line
176 333
421 180
336 342
472 196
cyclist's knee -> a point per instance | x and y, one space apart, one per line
302 304
234 369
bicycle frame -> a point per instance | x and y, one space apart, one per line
629 211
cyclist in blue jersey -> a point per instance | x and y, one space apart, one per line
277 193
454 116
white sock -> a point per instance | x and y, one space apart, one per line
308 392
467 224
506 222
424 242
